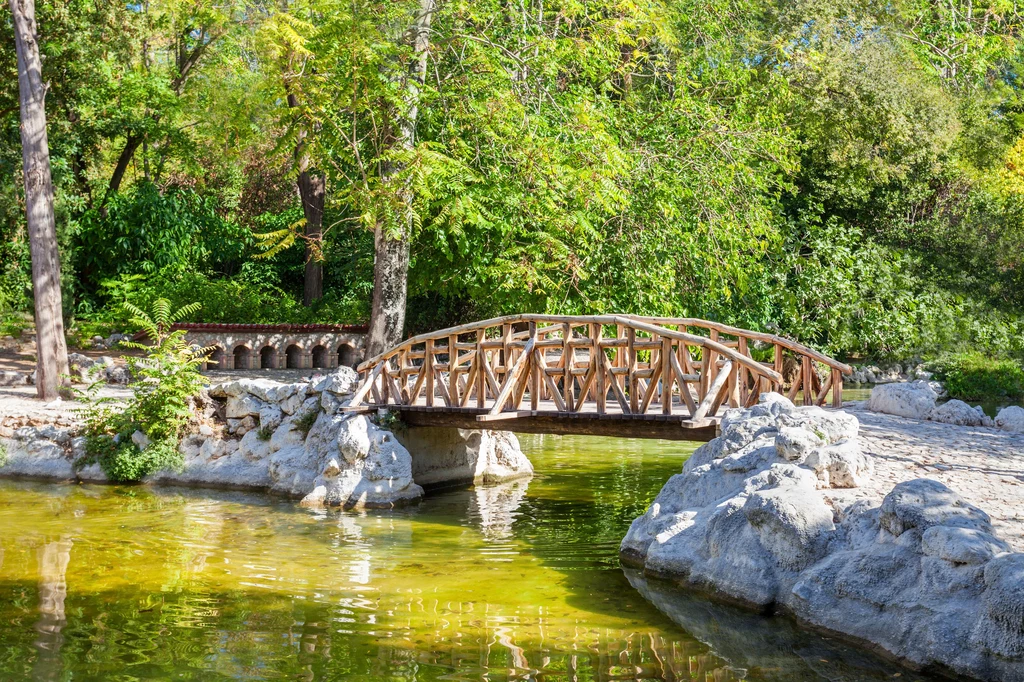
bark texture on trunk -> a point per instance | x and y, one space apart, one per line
312 193
51 347
131 144
391 251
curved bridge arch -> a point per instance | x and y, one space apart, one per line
604 374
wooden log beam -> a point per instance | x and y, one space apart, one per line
511 379
709 401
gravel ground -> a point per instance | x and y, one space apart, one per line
984 465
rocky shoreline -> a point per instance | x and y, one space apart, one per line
291 439
759 516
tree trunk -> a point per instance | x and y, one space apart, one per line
131 143
51 347
312 192
391 251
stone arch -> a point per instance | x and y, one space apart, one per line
293 356
243 356
268 357
321 357
217 358
348 356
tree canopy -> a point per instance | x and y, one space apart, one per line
848 174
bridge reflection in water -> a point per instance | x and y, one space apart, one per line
622 375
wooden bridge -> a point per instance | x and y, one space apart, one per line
621 375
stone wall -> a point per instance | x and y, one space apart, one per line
277 346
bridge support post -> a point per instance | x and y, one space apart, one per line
448 456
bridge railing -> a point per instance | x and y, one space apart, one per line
620 365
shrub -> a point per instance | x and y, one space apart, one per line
305 422
975 376
163 384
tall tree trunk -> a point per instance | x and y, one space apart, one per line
131 143
312 192
51 347
391 251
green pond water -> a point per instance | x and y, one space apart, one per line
518 581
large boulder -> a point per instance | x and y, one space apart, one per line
745 516
925 577
915 399
12 378
1011 419
342 381
922 575
360 465
959 413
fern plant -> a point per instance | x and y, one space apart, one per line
163 384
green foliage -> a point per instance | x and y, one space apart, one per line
264 433
164 382
976 376
249 297
145 231
305 422
846 174
390 421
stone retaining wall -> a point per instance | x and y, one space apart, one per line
278 346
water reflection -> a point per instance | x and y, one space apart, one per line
765 647
54 558
515 581
495 508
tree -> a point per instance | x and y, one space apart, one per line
51 347
180 36
391 250
284 41
312 192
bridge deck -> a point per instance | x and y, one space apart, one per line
598 374
548 419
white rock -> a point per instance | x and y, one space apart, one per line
1011 419
961 545
118 374
12 378
270 417
36 458
959 413
243 406
263 389
923 576
342 381
448 456
915 399
79 360
141 440
293 402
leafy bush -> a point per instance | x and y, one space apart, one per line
975 376
145 230
164 383
249 297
